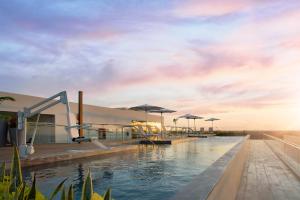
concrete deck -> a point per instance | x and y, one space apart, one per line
266 177
51 153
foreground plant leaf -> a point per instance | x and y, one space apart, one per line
15 195
107 195
57 189
15 171
87 189
32 192
63 194
71 193
21 195
13 188
4 191
96 196
2 172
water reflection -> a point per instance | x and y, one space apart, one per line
79 179
151 172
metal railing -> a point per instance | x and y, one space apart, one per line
289 153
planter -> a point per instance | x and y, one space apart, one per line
3 132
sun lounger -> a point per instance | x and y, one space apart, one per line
147 135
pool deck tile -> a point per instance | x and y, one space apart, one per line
266 177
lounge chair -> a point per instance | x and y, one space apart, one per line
164 131
153 131
143 133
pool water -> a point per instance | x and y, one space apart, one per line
151 173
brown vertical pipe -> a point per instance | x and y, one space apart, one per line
80 113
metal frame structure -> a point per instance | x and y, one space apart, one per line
36 109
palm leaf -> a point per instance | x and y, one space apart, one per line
96 196
107 195
57 189
32 192
4 191
6 98
16 194
12 185
2 172
87 189
71 193
21 195
15 170
63 194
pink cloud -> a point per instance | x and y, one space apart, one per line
290 43
259 102
103 34
192 8
236 87
133 79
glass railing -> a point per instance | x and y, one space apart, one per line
289 153
48 133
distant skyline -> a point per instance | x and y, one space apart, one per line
235 60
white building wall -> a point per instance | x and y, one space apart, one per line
91 114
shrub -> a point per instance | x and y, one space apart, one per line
12 186
230 133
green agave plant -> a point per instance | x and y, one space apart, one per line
12 186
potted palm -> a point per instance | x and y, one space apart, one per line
4 119
175 123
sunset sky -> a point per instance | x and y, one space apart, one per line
237 60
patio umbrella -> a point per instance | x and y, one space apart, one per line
161 111
212 121
196 117
188 117
146 108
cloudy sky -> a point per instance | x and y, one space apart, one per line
238 60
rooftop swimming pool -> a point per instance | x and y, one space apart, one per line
151 173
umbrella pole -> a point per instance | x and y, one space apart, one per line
146 121
161 121
188 126
175 122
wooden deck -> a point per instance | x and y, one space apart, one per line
266 176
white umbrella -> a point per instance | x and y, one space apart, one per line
212 121
161 111
188 117
146 108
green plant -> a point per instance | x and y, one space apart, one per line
6 98
5 117
13 187
230 133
